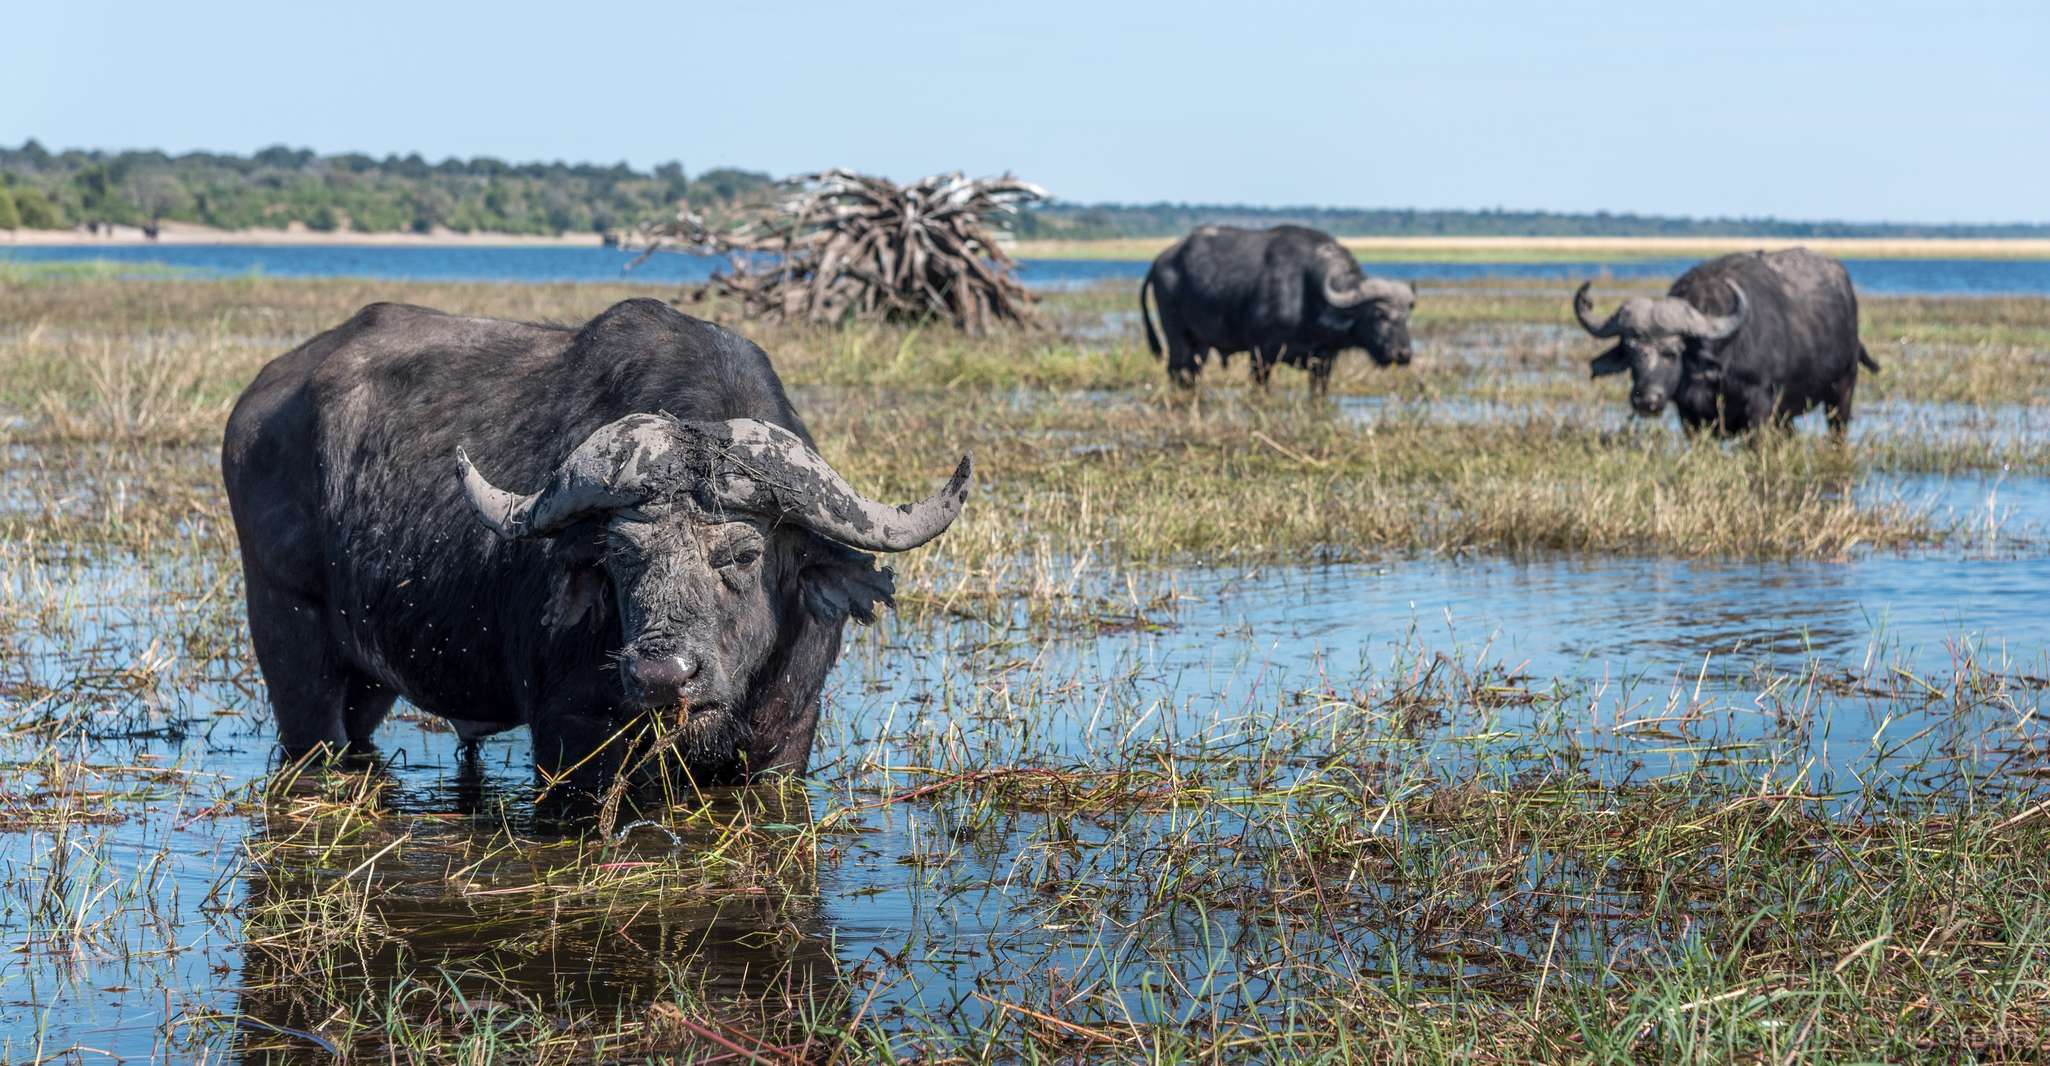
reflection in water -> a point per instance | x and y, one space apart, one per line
365 900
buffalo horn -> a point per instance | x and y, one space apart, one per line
1582 305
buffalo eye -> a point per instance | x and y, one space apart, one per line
735 555
735 566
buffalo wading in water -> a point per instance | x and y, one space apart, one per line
1288 294
1745 340
580 530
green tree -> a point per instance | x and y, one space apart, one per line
95 190
36 210
10 217
157 194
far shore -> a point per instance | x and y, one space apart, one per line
189 233
1383 249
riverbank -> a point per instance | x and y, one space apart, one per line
192 233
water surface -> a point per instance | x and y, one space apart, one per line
558 264
151 942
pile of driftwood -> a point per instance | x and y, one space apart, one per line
844 245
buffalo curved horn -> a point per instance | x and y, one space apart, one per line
1582 305
609 470
1341 295
1723 327
1341 291
744 464
1393 292
767 469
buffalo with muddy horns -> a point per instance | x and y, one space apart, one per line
1745 340
1288 294
579 530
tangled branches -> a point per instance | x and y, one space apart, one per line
846 245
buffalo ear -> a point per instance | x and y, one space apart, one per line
578 594
1703 358
1339 320
839 583
1612 361
580 590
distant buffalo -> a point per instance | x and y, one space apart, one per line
1740 341
1287 294
583 530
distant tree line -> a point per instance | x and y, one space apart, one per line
278 186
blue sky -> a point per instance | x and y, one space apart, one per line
1868 111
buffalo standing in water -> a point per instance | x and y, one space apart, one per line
1740 341
1287 294
680 547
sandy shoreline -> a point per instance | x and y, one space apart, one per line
1456 249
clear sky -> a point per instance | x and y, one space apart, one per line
1864 111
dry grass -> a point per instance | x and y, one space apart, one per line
1493 441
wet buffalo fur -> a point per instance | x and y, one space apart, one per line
370 576
1263 291
1797 349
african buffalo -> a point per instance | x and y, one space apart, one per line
1287 294
1739 341
668 540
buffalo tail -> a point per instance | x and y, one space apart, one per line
1152 339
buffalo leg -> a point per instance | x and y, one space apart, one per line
364 705
1840 406
1183 358
577 755
306 678
1263 365
1320 372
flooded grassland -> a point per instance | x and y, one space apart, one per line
1458 717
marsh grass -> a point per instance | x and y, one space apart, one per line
1028 838
1493 441
1330 894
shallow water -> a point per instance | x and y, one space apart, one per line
149 944
1879 276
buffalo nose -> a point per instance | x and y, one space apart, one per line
667 675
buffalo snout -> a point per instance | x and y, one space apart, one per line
1648 402
665 680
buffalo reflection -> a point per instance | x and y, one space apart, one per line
370 910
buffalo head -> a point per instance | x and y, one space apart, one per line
1660 341
1372 312
708 537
